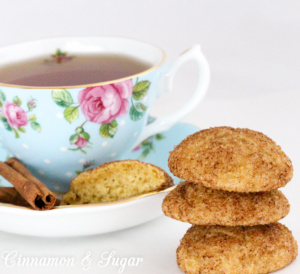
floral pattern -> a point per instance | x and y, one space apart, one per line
88 165
15 118
102 105
148 146
59 57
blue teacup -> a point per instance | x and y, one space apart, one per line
60 131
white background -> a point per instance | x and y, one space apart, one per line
253 50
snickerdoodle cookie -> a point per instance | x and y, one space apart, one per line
195 204
232 159
220 249
115 181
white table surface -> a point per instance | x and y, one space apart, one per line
253 48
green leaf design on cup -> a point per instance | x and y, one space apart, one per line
2 98
85 135
73 138
6 125
140 90
71 114
159 136
17 135
22 129
109 130
137 111
32 117
17 101
36 126
62 97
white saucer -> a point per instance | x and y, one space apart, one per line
96 219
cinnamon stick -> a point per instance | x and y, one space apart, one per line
29 187
9 195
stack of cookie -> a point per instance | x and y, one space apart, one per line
232 199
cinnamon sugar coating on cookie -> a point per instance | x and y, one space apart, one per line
195 204
232 159
232 250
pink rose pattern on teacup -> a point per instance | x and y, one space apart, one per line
81 142
15 115
31 104
102 105
15 118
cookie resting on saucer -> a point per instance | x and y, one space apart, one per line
233 250
116 181
232 159
199 205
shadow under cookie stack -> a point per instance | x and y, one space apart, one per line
232 200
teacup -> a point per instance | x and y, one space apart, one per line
60 131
